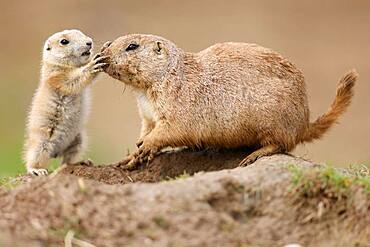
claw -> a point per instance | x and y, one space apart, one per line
247 161
105 46
38 172
150 157
143 156
87 162
96 56
99 65
132 165
125 161
100 58
135 161
97 70
139 143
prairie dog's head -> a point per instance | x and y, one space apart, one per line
69 47
140 60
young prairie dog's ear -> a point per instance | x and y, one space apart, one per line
158 47
47 46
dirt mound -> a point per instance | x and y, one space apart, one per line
258 205
166 166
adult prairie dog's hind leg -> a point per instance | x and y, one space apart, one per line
267 150
73 153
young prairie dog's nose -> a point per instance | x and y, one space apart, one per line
89 43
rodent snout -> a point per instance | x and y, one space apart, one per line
87 52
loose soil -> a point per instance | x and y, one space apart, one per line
182 198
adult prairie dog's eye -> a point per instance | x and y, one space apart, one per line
64 42
132 47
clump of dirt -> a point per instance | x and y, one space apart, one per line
168 165
258 205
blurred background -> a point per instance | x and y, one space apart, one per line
323 38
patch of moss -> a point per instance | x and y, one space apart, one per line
184 175
161 222
62 231
364 182
312 181
226 224
151 233
9 182
70 224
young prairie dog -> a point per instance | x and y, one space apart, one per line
60 105
229 95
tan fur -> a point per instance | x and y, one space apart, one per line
229 95
338 107
60 105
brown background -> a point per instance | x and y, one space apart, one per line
323 38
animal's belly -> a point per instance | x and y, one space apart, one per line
221 134
146 107
64 125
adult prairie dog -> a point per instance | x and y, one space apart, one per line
60 105
229 95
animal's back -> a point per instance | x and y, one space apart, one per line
245 91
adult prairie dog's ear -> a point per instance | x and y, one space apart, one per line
158 47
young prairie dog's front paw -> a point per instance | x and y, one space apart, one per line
105 46
96 64
38 171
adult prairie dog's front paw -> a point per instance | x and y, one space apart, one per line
38 171
96 64
87 162
144 155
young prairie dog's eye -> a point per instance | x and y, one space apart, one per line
64 42
132 46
